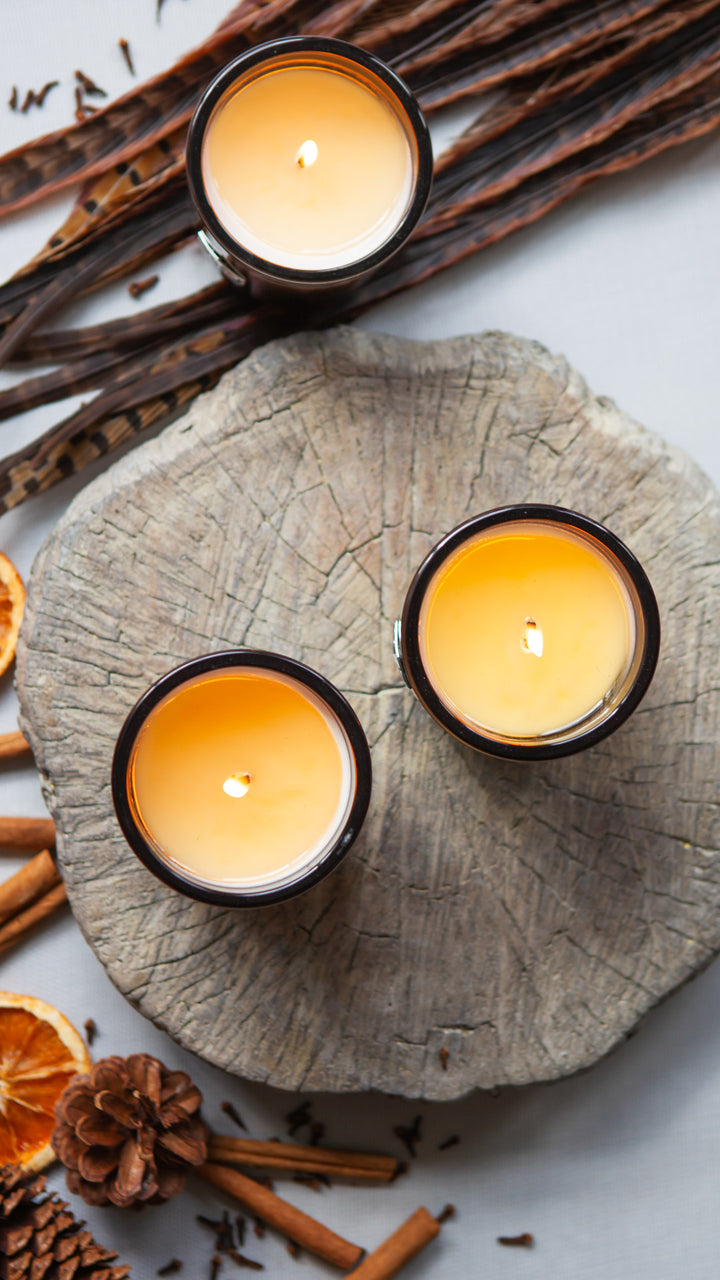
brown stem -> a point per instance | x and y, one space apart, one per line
296 1158
29 835
385 1261
13 746
285 1218
29 883
21 925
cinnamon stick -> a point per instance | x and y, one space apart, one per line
28 835
385 1261
23 923
296 1158
285 1218
13 745
31 882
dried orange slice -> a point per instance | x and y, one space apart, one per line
40 1052
12 603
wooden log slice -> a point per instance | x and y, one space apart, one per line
523 917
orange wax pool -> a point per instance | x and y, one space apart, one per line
307 166
526 629
241 777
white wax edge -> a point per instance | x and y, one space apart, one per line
571 534
292 871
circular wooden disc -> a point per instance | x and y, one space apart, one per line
523 917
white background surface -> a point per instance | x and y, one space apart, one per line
616 1172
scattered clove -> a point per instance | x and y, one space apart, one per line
452 1141
90 1030
125 50
208 1222
299 1117
89 86
444 1055
215 1264
409 1135
401 1167
42 95
524 1241
448 1212
170 1267
13 99
316 1181
293 1249
240 1225
136 290
242 1261
29 99
259 1228
228 1107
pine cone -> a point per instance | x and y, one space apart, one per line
41 1240
128 1131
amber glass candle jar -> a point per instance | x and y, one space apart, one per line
529 632
310 164
241 778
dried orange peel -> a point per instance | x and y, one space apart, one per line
40 1052
12 604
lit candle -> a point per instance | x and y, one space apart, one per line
309 162
529 632
241 778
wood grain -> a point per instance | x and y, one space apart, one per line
522 917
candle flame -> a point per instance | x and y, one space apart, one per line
307 154
532 641
238 784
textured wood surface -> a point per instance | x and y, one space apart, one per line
521 916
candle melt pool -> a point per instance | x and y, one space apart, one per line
526 629
307 166
241 777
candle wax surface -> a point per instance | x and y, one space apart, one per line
342 203
525 630
240 777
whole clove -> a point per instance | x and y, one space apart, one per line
228 1107
444 1055
259 1228
293 1249
224 1239
452 1141
13 99
42 95
208 1222
409 1135
316 1181
125 50
90 1030
299 1117
136 290
29 99
448 1212
215 1264
240 1226
241 1261
170 1267
89 86
524 1241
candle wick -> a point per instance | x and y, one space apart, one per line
307 154
237 785
532 641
